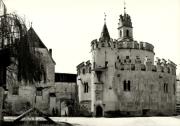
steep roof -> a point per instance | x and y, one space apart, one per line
33 37
105 34
36 41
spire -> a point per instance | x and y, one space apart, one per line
105 34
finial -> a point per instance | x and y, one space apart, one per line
105 18
124 7
31 24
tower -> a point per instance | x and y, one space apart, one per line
125 29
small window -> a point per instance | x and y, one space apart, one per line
94 64
127 33
106 64
127 57
89 69
165 88
102 44
84 71
86 87
127 85
38 92
120 33
124 85
15 91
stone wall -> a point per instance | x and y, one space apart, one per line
23 95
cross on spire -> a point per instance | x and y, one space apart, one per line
105 17
124 7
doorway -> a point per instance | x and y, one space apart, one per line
99 111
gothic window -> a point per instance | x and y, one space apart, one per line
124 85
15 91
86 87
127 33
165 88
127 85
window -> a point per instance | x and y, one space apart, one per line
120 33
174 87
15 91
102 44
86 87
165 88
89 69
127 33
38 92
127 85
106 63
83 71
94 64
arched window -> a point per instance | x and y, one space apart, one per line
127 33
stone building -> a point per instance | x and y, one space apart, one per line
178 94
66 100
23 95
122 77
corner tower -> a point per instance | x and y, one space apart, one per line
125 29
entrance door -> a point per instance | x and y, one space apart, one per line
99 111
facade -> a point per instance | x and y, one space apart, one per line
23 95
66 94
178 95
122 77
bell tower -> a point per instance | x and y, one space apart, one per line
125 29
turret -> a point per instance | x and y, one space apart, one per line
125 27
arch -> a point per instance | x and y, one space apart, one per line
99 111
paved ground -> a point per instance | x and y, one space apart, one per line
131 121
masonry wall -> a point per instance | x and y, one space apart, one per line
113 63
26 95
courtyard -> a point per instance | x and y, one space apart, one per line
123 121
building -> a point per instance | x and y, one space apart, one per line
178 94
66 94
122 78
23 95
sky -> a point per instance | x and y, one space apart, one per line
69 26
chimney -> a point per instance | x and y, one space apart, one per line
50 52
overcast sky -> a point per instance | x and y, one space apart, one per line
68 26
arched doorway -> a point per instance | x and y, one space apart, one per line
99 111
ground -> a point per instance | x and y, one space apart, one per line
131 121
